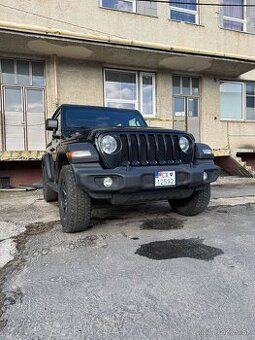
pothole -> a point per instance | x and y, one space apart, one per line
173 249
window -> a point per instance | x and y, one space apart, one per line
234 16
22 72
237 100
250 101
185 10
231 100
120 5
186 96
132 6
93 117
23 109
147 88
130 90
186 93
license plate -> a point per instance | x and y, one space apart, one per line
164 178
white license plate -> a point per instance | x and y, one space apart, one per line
165 178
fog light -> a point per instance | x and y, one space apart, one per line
108 182
205 176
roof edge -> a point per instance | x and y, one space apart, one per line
112 40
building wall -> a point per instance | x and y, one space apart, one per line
223 134
81 82
213 130
76 15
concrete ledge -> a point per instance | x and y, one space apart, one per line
19 189
234 181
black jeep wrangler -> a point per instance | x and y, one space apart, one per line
99 153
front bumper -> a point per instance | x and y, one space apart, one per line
140 180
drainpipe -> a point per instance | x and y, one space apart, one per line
55 70
228 136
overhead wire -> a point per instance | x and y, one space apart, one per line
197 3
60 21
170 2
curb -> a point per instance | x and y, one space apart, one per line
234 181
19 189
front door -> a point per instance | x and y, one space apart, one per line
186 105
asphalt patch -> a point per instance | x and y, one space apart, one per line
164 223
173 249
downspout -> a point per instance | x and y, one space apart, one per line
55 71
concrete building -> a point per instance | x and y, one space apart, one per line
183 66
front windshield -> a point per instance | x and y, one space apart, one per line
89 117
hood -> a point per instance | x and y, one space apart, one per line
90 134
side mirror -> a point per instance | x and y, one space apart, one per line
51 124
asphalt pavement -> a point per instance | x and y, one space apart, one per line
141 272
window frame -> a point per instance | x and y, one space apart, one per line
153 76
186 11
139 94
243 96
30 63
235 20
249 95
133 2
24 88
186 97
124 101
190 85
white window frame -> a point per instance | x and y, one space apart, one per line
237 20
243 95
190 86
24 98
139 95
124 101
184 10
189 96
30 61
153 76
133 2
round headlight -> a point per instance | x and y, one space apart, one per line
108 144
184 144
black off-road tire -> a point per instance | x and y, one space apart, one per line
49 195
193 205
74 204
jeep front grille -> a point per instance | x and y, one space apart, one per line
142 149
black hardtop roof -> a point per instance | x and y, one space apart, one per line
96 108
